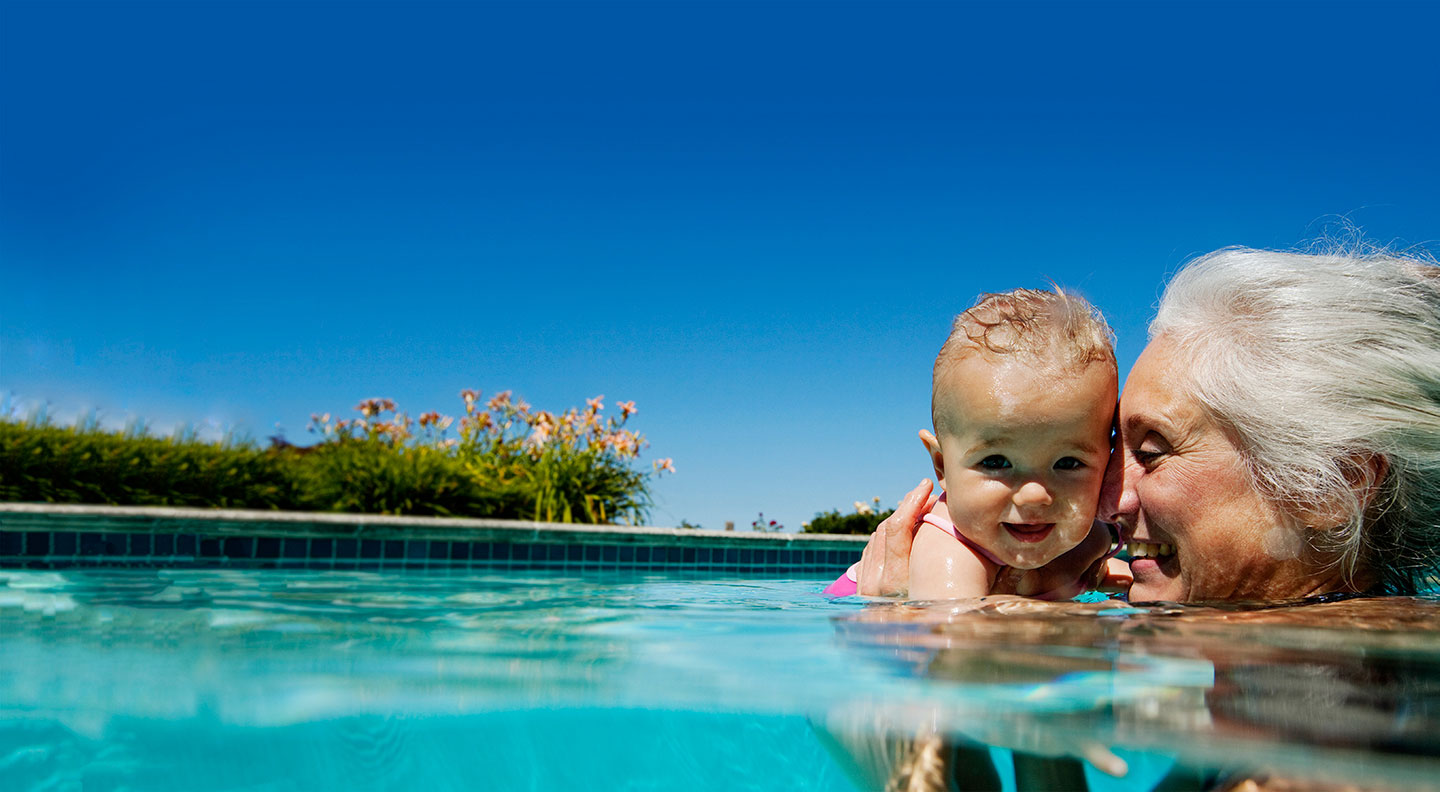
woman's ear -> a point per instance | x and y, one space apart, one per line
1365 473
937 457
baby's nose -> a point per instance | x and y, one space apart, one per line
1033 493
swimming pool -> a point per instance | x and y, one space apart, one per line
275 679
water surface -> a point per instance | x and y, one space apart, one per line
279 680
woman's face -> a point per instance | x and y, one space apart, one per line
1180 488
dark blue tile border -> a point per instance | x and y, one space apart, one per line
159 548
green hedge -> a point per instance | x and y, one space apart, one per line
833 522
58 464
55 464
375 478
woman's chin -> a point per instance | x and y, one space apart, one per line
1155 579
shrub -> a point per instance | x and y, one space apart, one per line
862 521
84 464
766 526
509 461
374 478
532 464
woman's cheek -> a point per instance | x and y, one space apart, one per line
1170 491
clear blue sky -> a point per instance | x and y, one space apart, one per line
755 219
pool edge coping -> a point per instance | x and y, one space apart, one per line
256 522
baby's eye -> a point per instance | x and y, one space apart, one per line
994 462
1068 463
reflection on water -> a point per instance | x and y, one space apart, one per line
158 679
1337 692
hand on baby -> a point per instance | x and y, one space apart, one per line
885 563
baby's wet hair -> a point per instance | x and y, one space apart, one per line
1054 327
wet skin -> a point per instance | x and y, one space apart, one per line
1179 479
1021 455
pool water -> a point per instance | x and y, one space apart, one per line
306 680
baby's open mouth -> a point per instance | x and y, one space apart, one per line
1029 532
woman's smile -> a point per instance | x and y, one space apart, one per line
1152 559
1152 562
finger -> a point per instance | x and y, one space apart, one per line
900 527
1116 576
911 508
870 578
900 538
885 562
872 562
1104 760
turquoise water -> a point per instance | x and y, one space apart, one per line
296 680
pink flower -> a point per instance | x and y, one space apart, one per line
373 407
435 419
622 441
499 400
667 465
627 409
478 422
538 436
595 404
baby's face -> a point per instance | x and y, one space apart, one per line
1023 453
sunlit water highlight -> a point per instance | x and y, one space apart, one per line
279 680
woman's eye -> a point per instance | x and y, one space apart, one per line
994 462
1147 457
1152 447
1068 463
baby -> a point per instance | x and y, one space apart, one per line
1022 400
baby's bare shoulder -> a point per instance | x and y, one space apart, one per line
943 568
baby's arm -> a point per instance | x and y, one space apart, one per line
943 568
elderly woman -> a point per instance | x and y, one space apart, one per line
1278 438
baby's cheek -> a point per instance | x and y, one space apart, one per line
1074 520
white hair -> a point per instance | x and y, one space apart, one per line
1320 365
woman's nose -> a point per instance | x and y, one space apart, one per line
1118 501
1033 493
